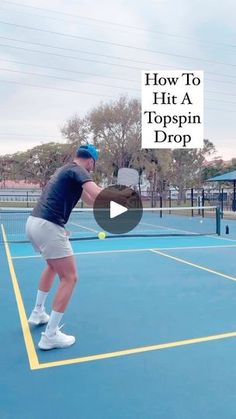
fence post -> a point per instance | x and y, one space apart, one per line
152 199
203 202
170 200
192 201
234 197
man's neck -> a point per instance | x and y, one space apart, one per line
79 162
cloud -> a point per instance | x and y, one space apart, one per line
35 110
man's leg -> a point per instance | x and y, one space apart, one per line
45 284
47 279
38 315
66 270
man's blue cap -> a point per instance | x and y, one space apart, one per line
87 151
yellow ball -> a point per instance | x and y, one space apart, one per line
101 235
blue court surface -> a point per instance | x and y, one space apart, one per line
155 322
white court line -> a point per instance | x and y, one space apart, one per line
221 238
90 253
169 228
194 265
81 226
161 227
136 250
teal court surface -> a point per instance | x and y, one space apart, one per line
155 322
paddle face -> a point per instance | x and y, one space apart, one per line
128 177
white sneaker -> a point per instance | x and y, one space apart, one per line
38 317
58 340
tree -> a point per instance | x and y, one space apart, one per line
156 165
39 163
116 130
6 166
213 168
76 131
188 167
232 165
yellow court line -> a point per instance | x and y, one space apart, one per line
137 350
186 262
32 356
152 347
33 359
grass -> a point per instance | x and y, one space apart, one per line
16 204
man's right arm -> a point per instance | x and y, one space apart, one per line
93 190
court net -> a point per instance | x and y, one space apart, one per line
155 222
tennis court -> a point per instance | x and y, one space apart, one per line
153 313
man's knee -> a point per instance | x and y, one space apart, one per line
50 269
71 278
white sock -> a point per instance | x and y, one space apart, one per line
40 300
53 323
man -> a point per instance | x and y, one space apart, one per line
45 229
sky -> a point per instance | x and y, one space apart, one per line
63 58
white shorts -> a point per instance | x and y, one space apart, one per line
47 238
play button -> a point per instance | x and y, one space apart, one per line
118 209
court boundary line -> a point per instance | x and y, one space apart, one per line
217 246
194 265
133 351
29 344
30 348
221 238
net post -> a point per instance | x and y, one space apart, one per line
161 202
222 201
218 221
